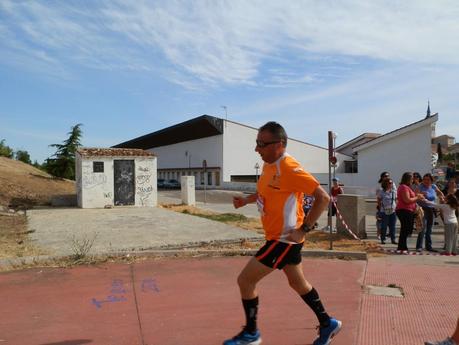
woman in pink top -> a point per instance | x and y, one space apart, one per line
406 204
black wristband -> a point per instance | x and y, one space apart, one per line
305 228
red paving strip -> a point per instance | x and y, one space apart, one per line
179 302
429 309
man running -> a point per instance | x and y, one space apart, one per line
279 197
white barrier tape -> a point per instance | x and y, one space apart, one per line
394 251
344 223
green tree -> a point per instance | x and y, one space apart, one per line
23 156
439 152
63 163
5 150
37 165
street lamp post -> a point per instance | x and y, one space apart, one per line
257 166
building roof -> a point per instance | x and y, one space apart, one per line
445 136
428 120
110 152
453 148
200 127
361 139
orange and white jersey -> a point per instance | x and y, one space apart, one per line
281 189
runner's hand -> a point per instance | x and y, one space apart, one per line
239 201
296 236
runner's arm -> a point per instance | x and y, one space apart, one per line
239 201
321 201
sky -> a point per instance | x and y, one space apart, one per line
125 68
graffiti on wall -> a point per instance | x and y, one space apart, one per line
144 188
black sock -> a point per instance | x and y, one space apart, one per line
312 299
251 311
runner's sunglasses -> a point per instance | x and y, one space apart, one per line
263 144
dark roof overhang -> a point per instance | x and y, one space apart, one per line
200 127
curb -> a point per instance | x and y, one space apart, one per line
18 263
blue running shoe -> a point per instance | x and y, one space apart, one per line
244 338
327 333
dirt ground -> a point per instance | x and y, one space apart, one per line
314 240
14 241
23 184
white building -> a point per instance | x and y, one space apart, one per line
115 177
404 149
227 147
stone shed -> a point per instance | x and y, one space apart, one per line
115 177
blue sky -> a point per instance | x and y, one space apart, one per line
128 68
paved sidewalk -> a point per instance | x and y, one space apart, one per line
196 302
124 229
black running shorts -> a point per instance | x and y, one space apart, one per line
277 254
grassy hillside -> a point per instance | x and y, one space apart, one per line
22 183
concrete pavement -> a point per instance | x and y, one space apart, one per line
196 302
192 301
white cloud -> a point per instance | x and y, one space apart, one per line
212 43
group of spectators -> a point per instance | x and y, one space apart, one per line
416 202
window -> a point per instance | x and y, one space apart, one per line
350 167
209 178
98 167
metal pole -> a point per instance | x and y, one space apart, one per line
330 154
205 188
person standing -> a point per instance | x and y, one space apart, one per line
336 190
416 182
448 208
279 197
430 191
406 205
387 201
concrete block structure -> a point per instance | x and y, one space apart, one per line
115 177
353 210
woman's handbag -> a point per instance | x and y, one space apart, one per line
418 219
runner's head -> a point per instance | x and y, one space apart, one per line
271 141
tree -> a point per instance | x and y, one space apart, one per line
439 152
63 165
5 150
23 156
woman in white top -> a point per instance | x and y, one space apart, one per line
448 210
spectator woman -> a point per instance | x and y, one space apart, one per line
448 208
387 201
406 204
379 212
430 191
451 189
416 182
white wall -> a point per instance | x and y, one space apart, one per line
240 156
96 190
146 193
174 156
410 151
239 150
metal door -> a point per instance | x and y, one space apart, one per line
124 179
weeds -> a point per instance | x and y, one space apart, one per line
81 247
